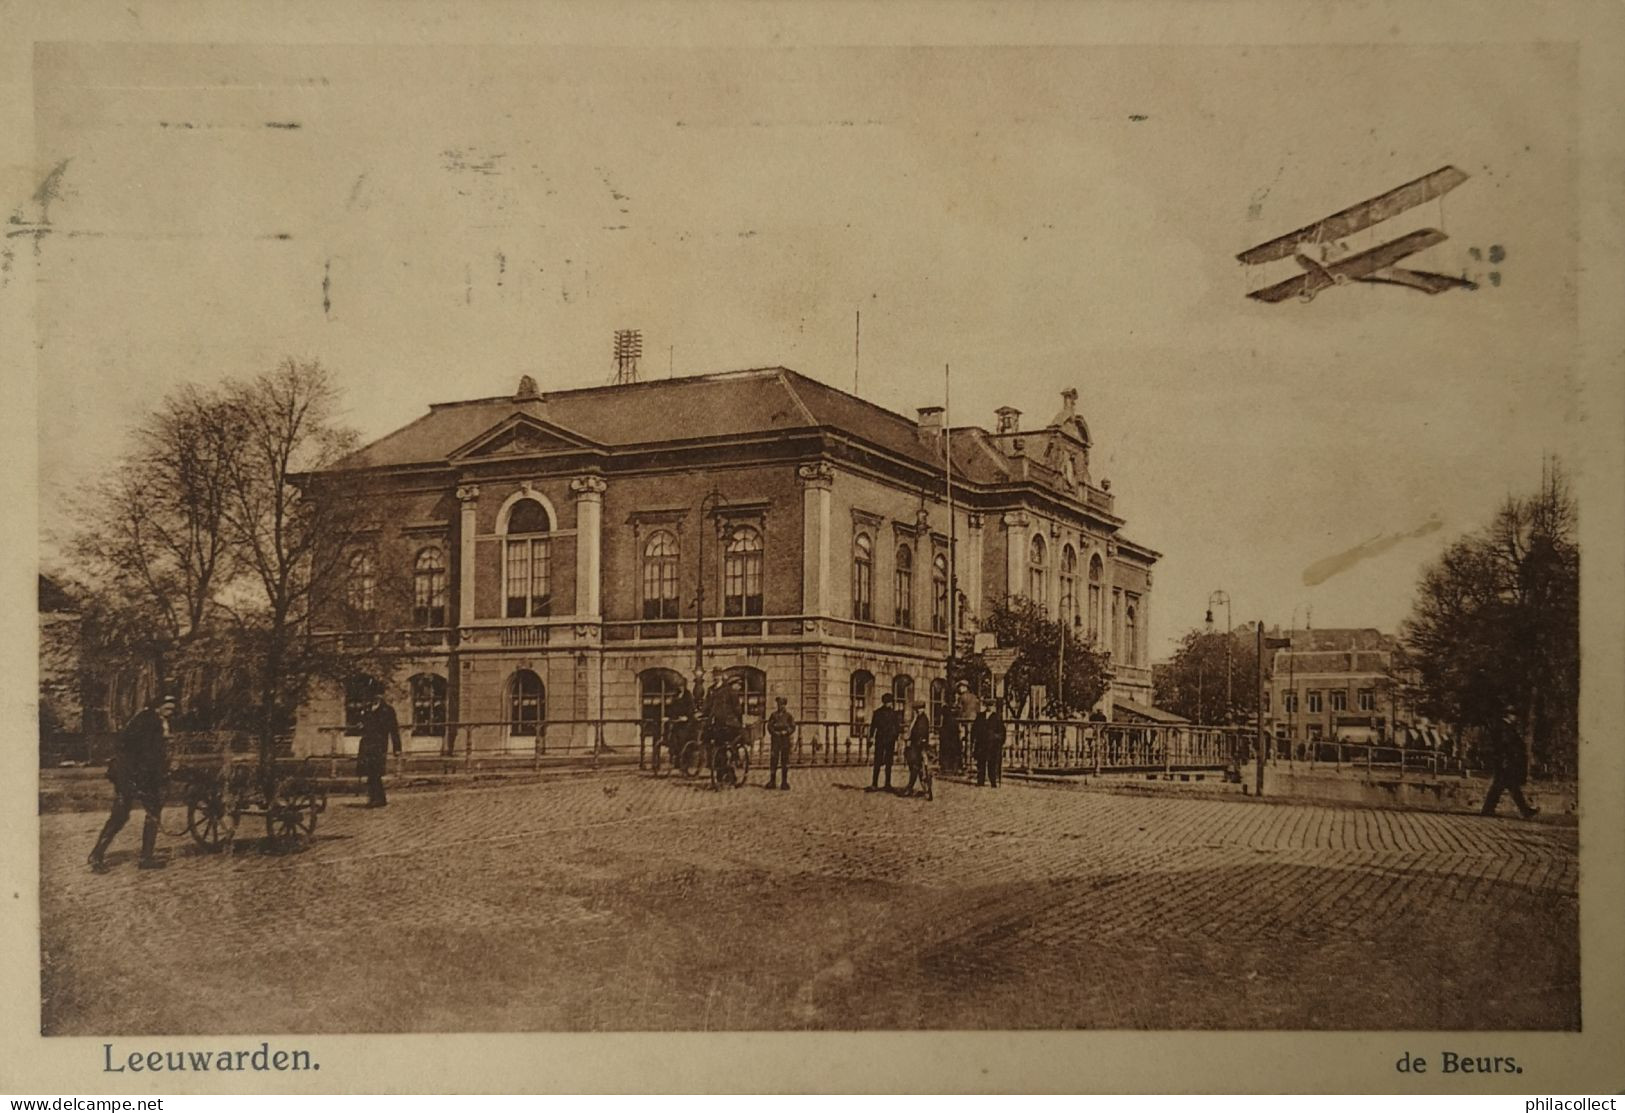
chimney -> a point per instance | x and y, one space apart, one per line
1069 402
1009 419
930 421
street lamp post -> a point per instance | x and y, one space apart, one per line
708 507
1220 597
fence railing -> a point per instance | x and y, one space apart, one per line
1067 746
1372 756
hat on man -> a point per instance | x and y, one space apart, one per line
886 698
780 700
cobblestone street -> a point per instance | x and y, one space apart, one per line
628 902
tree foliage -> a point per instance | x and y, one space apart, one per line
1494 634
205 560
1193 684
1047 650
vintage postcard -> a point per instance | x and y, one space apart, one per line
815 547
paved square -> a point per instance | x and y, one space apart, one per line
626 902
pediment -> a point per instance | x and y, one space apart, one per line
522 435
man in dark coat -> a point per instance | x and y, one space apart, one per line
979 746
138 769
993 731
885 728
919 740
680 712
724 722
1510 758
380 734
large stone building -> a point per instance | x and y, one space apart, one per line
556 545
1335 685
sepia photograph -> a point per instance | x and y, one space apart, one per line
810 536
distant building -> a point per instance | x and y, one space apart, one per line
553 545
1334 686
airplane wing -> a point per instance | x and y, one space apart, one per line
1355 267
1427 281
1355 218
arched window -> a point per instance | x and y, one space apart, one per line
1095 570
1069 586
863 578
742 573
862 690
360 584
903 586
902 691
660 575
429 588
528 557
527 704
939 594
358 693
1131 644
656 689
428 706
753 685
1036 582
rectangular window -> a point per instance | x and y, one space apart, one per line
1340 699
529 576
1368 699
1289 702
1314 702
1266 699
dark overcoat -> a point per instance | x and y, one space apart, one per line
379 733
141 756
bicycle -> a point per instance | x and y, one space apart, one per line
729 762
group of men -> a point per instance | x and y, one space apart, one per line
982 722
717 714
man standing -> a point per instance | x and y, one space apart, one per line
380 734
781 725
993 731
919 738
1510 758
979 747
966 708
138 769
885 728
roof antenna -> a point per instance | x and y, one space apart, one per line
628 348
857 342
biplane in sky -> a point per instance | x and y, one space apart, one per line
1335 266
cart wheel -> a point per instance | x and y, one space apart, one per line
741 765
210 823
290 819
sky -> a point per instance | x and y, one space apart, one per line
431 223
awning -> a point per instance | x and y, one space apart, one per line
1141 712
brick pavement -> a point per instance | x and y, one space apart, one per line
627 902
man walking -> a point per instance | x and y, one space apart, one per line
885 727
1511 769
781 725
380 734
138 769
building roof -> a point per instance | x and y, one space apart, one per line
1130 709
1330 662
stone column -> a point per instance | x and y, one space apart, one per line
969 565
1016 524
469 496
589 493
817 482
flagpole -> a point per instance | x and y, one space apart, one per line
953 526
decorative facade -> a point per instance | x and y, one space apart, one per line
568 550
